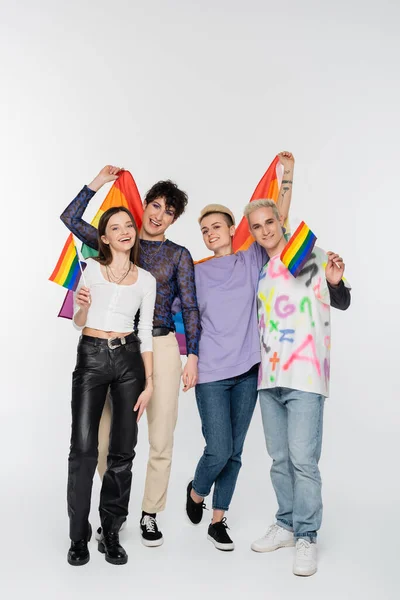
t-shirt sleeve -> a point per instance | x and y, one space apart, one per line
255 253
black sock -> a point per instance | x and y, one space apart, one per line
144 513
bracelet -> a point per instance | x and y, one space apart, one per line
287 181
150 376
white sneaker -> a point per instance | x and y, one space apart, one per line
276 537
99 532
305 561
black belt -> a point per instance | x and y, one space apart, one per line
112 343
157 331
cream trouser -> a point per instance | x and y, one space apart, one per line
162 414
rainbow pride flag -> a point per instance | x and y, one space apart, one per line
267 189
67 271
298 249
123 192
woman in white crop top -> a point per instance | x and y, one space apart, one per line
109 355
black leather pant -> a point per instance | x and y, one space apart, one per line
97 368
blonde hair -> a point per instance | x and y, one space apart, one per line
256 204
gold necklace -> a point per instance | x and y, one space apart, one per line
123 268
115 279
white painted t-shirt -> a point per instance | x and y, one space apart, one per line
294 326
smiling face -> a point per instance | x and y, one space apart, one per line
120 233
217 234
157 217
267 230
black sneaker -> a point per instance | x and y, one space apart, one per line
218 535
194 510
151 535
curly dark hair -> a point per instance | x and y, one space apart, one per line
173 196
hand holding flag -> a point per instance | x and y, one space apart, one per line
334 269
83 298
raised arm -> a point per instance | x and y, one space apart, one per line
72 215
285 194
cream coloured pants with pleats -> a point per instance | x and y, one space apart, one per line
162 414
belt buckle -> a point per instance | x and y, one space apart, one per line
110 343
122 342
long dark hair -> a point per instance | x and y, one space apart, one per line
105 256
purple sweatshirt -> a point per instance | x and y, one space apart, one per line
226 294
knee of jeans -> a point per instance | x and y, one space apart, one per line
278 455
303 462
219 456
236 456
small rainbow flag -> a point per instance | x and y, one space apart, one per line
67 270
298 249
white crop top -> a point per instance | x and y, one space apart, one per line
114 306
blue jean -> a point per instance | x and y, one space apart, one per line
226 408
292 422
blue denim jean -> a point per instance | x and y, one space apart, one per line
292 422
226 408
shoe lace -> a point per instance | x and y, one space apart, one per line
112 539
150 524
223 523
303 548
272 530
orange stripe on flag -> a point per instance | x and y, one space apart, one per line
294 241
267 189
62 257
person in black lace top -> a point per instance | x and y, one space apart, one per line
172 266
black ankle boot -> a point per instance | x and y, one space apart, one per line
78 554
110 546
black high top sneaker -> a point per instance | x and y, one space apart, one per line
218 535
151 535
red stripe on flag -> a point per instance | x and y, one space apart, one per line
260 193
293 240
62 256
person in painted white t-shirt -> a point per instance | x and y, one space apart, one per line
112 290
293 382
